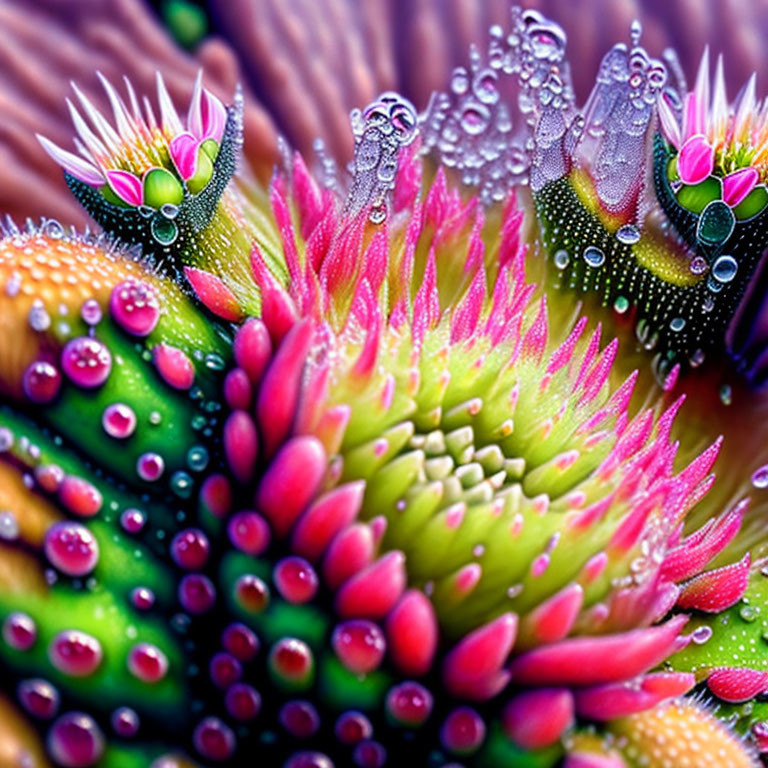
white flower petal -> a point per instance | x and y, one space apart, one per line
72 164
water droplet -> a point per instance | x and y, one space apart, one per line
474 118
134 305
698 265
181 484
724 269
561 259
621 305
677 324
748 613
51 228
9 526
485 88
594 256
628 234
197 458
118 420
91 312
700 635
214 362
150 466
86 361
459 81
760 477
39 319
377 214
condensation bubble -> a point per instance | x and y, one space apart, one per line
561 259
628 234
594 256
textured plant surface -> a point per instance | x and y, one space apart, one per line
453 458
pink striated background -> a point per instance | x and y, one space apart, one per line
304 63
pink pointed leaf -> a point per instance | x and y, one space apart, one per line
714 591
737 185
412 633
72 164
291 481
126 186
184 151
553 619
472 669
696 160
374 591
737 684
615 700
622 656
593 760
213 117
536 719
214 294
327 516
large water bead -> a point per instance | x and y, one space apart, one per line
300 719
352 727
75 741
243 702
240 641
49 477
291 662
249 532
79 497
295 579
71 548
86 361
360 645
409 703
75 653
133 520
463 731
150 466
118 421
19 631
142 598
39 698
196 593
224 670
41 382
369 754
125 722
147 663
190 549
251 593
134 306
214 740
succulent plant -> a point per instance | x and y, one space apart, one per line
338 474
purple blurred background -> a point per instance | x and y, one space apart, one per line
304 63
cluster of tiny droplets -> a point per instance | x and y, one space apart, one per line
381 131
472 127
